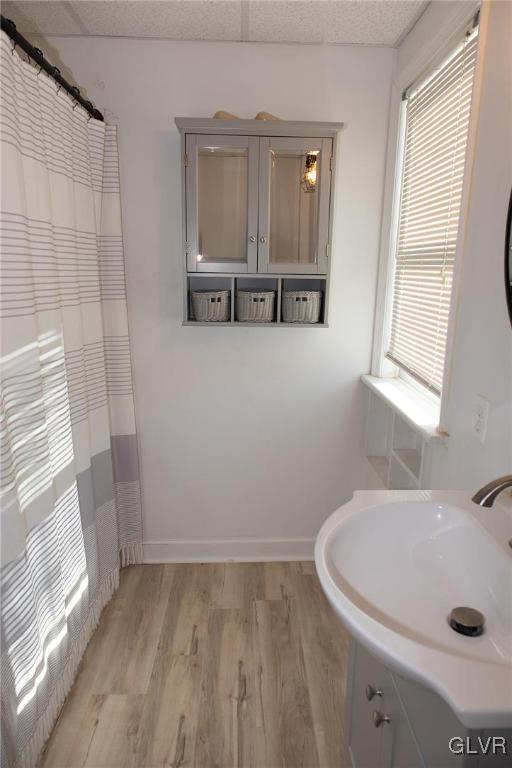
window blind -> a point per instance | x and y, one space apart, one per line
436 131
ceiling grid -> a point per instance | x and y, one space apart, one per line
337 22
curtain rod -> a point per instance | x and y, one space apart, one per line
9 27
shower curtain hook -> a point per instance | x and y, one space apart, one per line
56 71
76 92
41 55
13 47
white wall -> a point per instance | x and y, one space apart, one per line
249 433
481 359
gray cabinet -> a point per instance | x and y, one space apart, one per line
404 751
369 746
378 733
257 212
392 722
431 716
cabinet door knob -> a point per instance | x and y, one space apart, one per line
371 692
379 719
263 239
252 238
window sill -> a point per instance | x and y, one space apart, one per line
418 411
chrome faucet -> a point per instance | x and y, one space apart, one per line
486 495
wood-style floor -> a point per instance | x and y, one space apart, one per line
212 666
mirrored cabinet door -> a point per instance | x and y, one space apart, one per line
294 198
222 203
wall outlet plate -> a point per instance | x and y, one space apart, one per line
480 417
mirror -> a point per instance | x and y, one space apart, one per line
508 258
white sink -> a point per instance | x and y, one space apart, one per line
393 564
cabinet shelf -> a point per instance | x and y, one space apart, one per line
233 283
238 323
254 276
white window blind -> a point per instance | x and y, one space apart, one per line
436 132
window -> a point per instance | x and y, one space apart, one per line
437 112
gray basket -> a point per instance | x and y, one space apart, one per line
255 306
301 306
211 306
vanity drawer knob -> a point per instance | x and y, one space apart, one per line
379 719
371 692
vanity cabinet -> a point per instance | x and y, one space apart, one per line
257 203
369 746
378 732
392 722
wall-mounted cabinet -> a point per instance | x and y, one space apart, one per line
257 203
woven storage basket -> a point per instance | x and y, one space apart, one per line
301 306
211 306
255 306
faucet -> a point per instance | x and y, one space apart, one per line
486 495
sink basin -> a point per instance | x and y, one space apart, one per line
394 564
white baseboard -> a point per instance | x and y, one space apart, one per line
222 550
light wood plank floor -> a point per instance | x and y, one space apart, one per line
212 666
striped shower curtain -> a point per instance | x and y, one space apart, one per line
70 505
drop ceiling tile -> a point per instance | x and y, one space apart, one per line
171 19
42 17
367 22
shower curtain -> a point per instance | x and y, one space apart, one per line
70 504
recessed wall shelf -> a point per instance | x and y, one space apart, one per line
399 436
257 214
